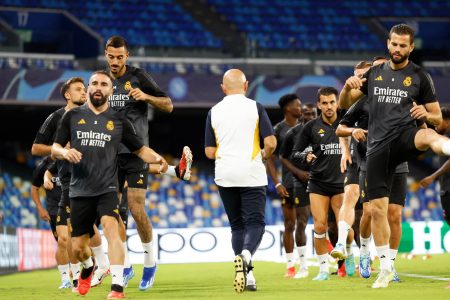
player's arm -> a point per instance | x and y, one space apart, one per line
43 140
442 170
43 213
151 93
298 155
210 139
346 157
266 133
62 138
285 153
351 92
148 155
430 112
428 108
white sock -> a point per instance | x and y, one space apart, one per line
290 260
446 147
365 245
323 263
247 256
75 268
149 260
126 262
117 274
170 171
385 260
87 263
64 272
343 229
393 255
302 257
349 248
100 257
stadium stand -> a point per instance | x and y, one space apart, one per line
172 203
161 23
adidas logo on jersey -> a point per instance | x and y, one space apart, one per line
379 78
140 181
321 132
81 122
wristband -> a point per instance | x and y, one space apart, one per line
277 185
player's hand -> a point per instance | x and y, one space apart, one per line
137 94
426 181
418 111
303 176
345 158
48 184
281 190
163 165
73 155
43 213
359 134
354 83
310 157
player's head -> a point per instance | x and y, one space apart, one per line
234 82
327 101
378 60
291 104
74 91
116 52
100 88
361 68
400 43
444 126
309 112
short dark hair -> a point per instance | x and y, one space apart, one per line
116 41
66 85
286 99
445 112
362 65
103 72
403 29
378 58
325 91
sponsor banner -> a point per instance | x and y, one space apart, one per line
37 249
44 85
188 245
425 237
9 254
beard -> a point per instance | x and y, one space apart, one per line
400 60
97 102
79 102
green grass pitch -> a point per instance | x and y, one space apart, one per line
215 281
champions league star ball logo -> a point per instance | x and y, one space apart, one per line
407 81
110 125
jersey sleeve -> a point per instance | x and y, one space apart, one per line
352 115
148 84
38 174
210 138
63 131
288 144
427 93
365 87
265 126
304 139
47 130
129 136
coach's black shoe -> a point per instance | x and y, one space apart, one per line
240 277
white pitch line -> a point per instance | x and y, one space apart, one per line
424 276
